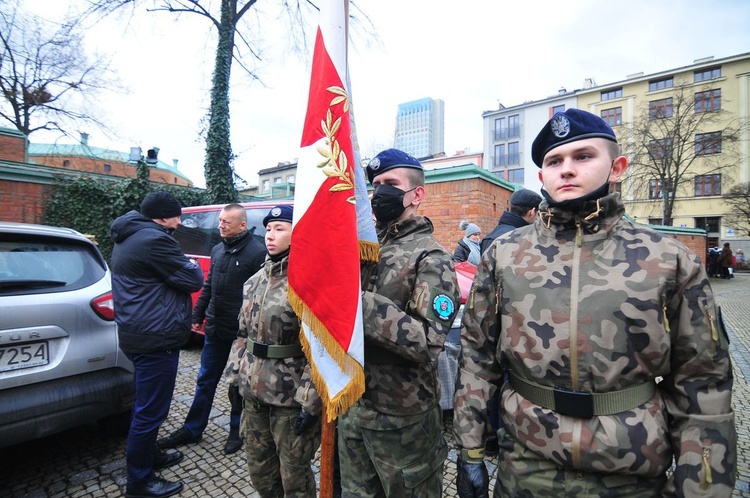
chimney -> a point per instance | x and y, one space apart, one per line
174 163
562 91
84 138
589 83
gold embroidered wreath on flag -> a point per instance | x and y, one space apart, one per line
335 163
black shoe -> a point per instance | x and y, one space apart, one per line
164 459
158 488
179 437
234 442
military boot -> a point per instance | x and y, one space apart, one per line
234 441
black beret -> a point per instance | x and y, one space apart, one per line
566 127
284 212
389 159
525 198
160 204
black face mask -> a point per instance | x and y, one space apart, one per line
388 202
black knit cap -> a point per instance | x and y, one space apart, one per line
525 198
566 127
160 204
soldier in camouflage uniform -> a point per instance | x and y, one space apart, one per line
618 362
390 441
282 407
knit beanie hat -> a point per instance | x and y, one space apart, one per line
470 228
160 204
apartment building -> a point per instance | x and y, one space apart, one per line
713 95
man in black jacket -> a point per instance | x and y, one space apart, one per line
233 260
523 206
152 281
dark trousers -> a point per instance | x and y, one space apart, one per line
155 375
213 361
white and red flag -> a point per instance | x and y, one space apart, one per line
333 226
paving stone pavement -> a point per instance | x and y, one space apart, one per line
84 462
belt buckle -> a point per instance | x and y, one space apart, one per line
260 349
578 404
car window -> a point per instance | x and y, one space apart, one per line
199 232
32 265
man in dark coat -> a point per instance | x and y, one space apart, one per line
523 206
152 281
233 260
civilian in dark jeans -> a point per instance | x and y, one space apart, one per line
233 260
152 281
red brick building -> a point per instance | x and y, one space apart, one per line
28 171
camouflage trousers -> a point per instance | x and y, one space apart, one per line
391 456
521 473
277 459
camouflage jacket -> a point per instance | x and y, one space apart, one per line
639 308
410 298
266 316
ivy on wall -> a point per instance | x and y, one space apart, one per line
91 205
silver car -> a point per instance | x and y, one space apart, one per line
60 364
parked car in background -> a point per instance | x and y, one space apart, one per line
60 364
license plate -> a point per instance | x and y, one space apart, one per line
23 356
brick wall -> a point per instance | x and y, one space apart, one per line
12 147
22 202
475 199
116 168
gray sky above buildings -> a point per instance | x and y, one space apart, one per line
472 55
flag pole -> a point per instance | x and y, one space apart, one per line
328 432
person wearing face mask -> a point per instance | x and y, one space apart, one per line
281 406
390 441
618 365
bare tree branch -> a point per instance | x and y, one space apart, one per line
675 140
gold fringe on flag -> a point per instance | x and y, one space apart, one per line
369 252
356 387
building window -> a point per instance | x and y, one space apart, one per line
266 185
708 143
277 180
500 155
615 93
655 190
708 101
706 185
557 108
66 163
613 116
514 127
290 178
107 168
709 224
659 149
655 221
501 131
706 74
660 109
660 84
515 175
513 157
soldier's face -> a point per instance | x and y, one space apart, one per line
278 237
573 170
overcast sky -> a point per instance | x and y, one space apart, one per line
471 54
